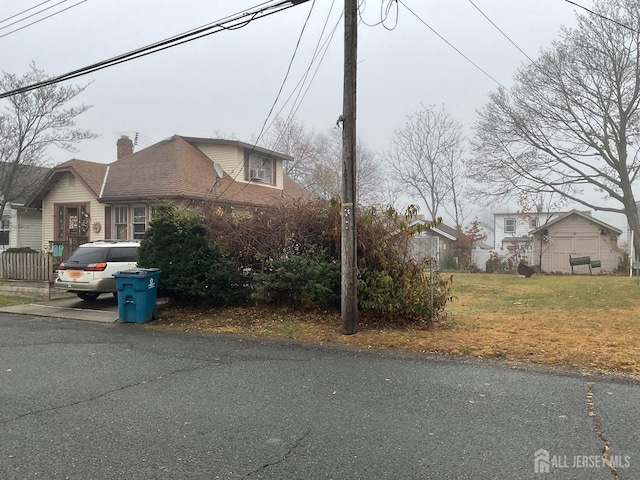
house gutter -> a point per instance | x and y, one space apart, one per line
104 181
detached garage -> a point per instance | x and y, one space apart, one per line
575 234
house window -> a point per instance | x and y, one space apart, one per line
260 168
533 223
4 233
120 220
510 225
139 214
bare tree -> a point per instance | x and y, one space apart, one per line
369 173
425 156
292 138
571 120
317 161
30 124
453 172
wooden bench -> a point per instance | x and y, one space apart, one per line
575 261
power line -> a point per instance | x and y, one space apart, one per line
384 14
500 30
24 11
603 17
448 43
320 46
34 14
286 76
232 22
262 130
40 19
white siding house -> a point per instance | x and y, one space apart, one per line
512 233
24 226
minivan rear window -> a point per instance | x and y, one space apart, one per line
123 254
88 255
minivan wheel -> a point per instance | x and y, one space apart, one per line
88 296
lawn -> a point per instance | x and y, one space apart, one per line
586 322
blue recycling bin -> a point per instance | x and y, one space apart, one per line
137 292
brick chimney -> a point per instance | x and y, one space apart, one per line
125 147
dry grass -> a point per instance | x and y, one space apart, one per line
589 323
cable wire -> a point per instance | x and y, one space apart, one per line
40 19
603 17
34 14
448 43
320 45
231 22
500 30
24 11
262 130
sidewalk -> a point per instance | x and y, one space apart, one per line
104 309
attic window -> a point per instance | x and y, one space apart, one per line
260 168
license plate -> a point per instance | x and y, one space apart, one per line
76 274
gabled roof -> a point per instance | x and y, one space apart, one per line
586 216
171 169
440 229
91 174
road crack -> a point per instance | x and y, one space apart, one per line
283 457
598 428
97 396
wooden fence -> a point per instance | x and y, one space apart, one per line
27 266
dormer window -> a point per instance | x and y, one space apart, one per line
261 169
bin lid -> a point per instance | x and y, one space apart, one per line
138 271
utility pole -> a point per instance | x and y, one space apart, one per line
349 238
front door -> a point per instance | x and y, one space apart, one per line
72 226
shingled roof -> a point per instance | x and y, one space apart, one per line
171 169
89 173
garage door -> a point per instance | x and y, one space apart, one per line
576 247
560 251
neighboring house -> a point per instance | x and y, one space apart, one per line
21 226
512 233
85 201
435 243
575 234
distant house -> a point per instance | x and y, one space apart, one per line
511 235
575 234
85 201
21 226
436 242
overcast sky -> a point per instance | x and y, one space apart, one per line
225 84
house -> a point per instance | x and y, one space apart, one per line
84 201
511 232
575 234
511 236
437 242
21 226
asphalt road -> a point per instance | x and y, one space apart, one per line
85 400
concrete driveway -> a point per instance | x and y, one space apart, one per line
104 309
